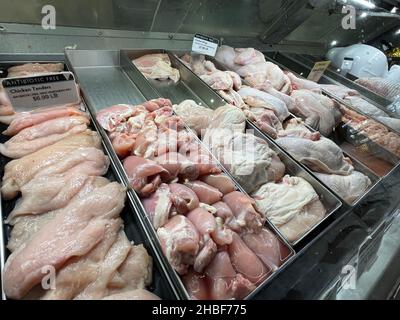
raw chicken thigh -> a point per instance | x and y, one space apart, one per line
157 66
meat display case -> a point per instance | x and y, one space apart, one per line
355 252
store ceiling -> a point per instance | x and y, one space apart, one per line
271 21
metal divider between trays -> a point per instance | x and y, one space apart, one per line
146 88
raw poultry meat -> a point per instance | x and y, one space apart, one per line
246 217
371 129
29 69
46 133
224 283
296 128
157 66
47 193
5 105
196 285
268 248
384 87
225 215
350 187
233 98
206 193
228 117
220 181
246 262
52 159
137 294
257 99
158 206
27 119
353 99
292 205
321 156
144 175
180 242
72 233
318 111
299 83
183 198
125 267
218 80
195 116
247 158
178 165
205 255
251 65
85 268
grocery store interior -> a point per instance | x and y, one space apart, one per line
205 150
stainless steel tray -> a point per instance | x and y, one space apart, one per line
357 164
134 228
103 61
195 89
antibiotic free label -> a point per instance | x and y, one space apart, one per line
41 91
203 44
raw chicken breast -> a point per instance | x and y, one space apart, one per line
218 80
195 116
47 193
138 294
196 285
183 198
158 206
178 165
268 248
246 262
27 119
6 108
321 156
156 66
144 175
39 136
242 208
206 193
318 111
34 69
223 281
203 220
180 242
205 256
350 187
74 232
220 181
292 205
257 99
53 159
125 267
299 83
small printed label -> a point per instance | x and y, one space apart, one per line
318 70
41 91
347 64
205 45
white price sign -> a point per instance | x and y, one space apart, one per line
41 91
205 45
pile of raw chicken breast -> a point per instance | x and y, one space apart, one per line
67 239
209 231
271 95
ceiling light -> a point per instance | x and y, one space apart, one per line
365 3
394 10
363 15
334 43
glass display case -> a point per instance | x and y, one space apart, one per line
353 251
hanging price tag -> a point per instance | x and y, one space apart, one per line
318 70
205 45
41 91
